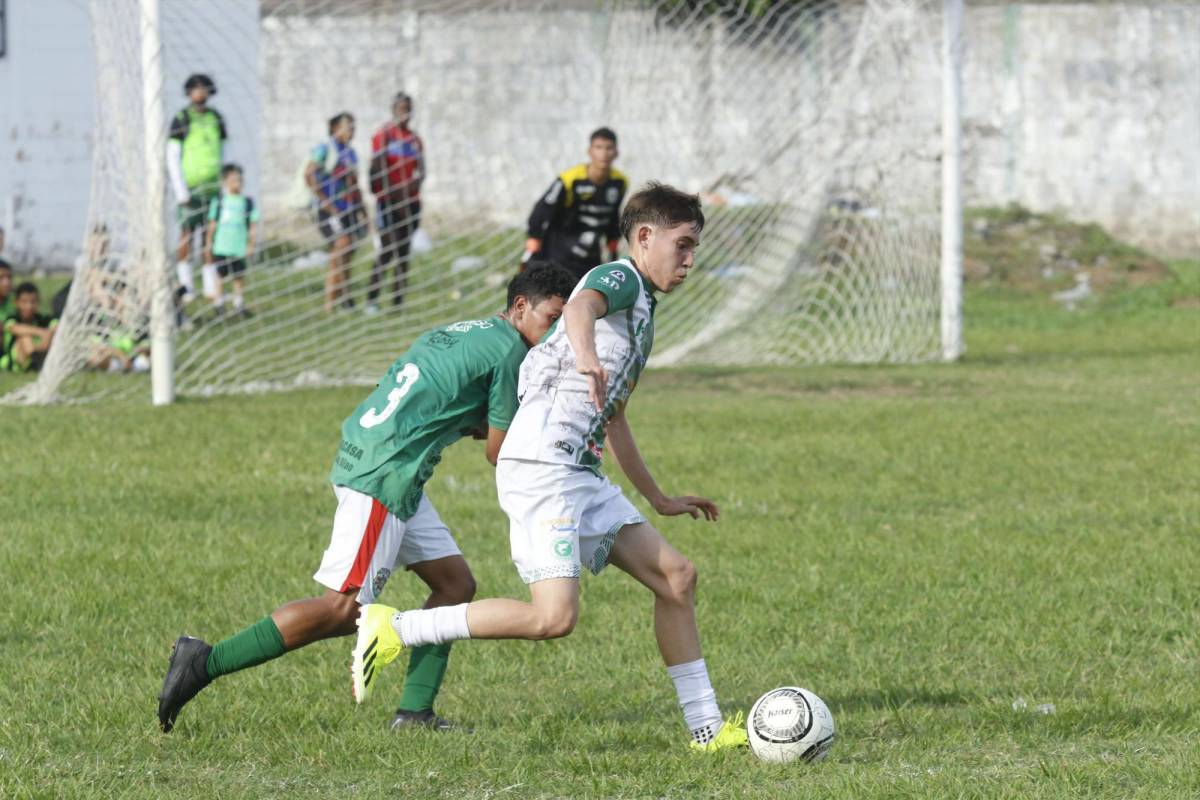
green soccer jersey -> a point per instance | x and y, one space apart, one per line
234 214
450 382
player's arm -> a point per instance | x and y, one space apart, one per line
175 139
377 172
545 212
252 232
581 314
24 329
310 177
210 232
623 447
495 438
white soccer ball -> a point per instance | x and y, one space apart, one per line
790 723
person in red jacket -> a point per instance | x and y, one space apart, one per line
397 170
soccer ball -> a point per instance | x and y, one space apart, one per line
790 723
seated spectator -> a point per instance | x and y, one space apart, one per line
8 303
27 333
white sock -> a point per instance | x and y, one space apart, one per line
208 279
238 301
697 699
431 625
219 302
183 270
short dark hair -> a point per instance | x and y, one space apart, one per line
4 265
402 97
25 288
603 133
541 279
337 118
660 205
229 169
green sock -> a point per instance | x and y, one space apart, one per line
261 642
426 669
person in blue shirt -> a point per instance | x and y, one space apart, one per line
332 175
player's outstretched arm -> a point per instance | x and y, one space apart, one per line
623 447
495 438
580 315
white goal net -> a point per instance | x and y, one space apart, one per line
812 130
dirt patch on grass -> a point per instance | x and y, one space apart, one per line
1043 253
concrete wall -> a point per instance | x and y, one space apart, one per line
1091 110
48 107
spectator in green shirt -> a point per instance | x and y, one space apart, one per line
27 333
194 154
232 228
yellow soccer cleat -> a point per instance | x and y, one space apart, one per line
732 734
377 645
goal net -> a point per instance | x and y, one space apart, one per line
812 130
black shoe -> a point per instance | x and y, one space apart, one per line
187 674
425 719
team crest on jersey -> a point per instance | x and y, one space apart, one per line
463 327
380 580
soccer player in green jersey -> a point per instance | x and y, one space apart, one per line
195 146
564 514
454 381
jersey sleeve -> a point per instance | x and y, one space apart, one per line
179 126
214 208
502 395
319 154
255 216
616 282
547 209
220 124
377 143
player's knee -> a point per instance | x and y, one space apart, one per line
556 623
342 609
681 578
461 589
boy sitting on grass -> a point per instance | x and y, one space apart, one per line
27 333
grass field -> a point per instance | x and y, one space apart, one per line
936 550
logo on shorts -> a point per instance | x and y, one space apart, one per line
563 548
380 580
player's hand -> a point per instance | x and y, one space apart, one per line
688 504
597 380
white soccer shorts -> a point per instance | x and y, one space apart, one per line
368 542
561 518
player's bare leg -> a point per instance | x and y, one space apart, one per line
551 613
643 553
302 622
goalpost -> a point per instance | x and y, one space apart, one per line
823 136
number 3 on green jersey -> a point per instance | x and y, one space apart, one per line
404 380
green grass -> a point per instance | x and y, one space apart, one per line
921 545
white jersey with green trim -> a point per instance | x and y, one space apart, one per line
556 422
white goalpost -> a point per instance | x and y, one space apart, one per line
823 136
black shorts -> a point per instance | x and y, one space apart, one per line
231 266
350 224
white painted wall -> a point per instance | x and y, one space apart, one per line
45 130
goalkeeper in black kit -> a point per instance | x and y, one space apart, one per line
580 210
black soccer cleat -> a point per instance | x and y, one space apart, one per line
425 719
187 674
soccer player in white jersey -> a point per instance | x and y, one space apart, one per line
564 514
